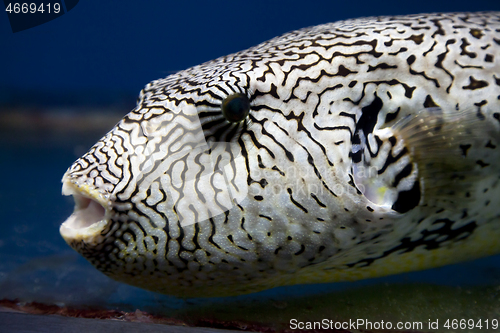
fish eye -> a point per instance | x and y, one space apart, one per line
235 107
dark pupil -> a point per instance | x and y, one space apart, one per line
235 108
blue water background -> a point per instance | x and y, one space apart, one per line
103 53
116 46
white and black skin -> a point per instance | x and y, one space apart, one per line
347 150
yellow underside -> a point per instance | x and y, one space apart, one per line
482 242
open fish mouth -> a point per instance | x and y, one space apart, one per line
89 216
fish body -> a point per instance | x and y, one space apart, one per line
343 151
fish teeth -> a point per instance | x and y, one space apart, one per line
89 217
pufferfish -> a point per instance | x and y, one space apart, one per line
338 152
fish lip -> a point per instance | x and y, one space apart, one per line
90 215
